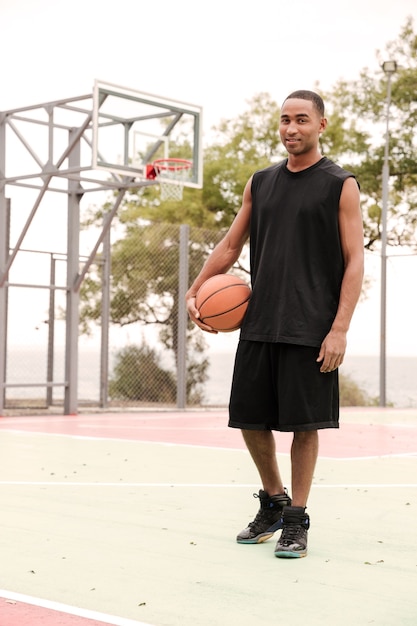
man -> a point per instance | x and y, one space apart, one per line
304 221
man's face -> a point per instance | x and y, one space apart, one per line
300 126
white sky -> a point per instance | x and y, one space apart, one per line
217 54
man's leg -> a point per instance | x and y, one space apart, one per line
261 445
273 497
304 452
296 522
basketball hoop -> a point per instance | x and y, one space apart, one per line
171 175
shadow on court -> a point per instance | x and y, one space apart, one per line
132 518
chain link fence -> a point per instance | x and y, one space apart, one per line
146 308
132 351
130 348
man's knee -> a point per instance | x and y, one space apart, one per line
306 436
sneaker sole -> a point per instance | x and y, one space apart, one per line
263 536
283 554
258 539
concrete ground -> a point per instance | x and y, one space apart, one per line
131 519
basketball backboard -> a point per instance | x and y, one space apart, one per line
132 130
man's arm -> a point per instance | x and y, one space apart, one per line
333 348
224 255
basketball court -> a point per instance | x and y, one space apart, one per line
131 518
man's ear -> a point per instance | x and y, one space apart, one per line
323 125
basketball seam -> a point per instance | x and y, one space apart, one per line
213 293
209 317
206 317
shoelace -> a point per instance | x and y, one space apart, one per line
262 516
291 532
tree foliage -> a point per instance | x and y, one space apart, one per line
138 376
357 133
351 394
354 138
145 289
241 146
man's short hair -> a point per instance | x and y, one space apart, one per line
304 94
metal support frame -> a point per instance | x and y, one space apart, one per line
4 248
68 125
51 332
73 296
46 176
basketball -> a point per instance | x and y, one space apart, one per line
222 302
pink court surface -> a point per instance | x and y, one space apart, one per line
130 519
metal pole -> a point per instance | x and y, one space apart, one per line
4 254
385 181
51 333
182 318
4 294
73 295
105 321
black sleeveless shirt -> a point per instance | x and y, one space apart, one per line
295 253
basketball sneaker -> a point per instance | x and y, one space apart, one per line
293 540
267 520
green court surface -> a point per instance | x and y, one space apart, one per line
145 530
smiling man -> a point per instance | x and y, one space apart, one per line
300 125
304 221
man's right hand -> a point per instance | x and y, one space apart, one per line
194 315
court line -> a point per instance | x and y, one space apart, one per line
70 610
23 483
170 444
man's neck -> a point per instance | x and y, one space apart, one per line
299 162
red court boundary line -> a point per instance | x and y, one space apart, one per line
209 429
17 609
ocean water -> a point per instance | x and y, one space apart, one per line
29 366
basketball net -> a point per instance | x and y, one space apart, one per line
171 175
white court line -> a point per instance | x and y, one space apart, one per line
20 483
70 610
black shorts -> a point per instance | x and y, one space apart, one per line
278 386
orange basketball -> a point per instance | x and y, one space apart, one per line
222 302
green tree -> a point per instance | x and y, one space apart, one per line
138 376
145 289
351 393
356 139
242 146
